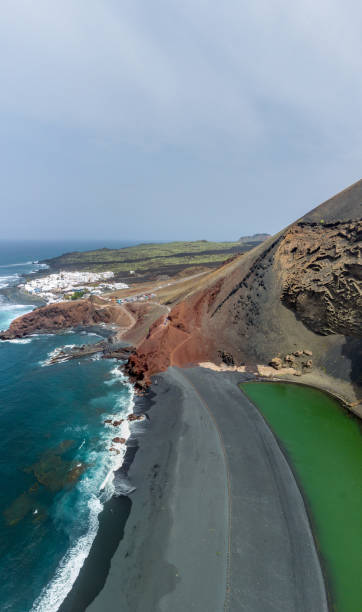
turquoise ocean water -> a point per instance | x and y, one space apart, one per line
55 465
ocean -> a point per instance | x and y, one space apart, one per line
56 469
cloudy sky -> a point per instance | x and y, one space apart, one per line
175 119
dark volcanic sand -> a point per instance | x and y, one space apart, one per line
217 521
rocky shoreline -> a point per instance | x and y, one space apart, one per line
300 288
107 349
61 316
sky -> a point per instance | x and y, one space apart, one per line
175 119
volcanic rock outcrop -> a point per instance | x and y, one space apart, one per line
322 272
301 287
62 315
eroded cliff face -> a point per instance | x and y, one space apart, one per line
301 290
176 339
62 315
321 272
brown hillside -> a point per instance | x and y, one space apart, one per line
300 288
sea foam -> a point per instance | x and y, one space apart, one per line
69 567
66 574
18 340
55 353
8 279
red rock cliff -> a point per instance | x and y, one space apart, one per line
59 316
300 286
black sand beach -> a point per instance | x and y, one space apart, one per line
217 521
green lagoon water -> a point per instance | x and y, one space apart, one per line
324 445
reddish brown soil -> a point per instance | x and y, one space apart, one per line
300 287
64 315
177 339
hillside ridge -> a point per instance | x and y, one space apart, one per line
300 289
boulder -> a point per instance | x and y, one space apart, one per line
135 417
227 358
307 352
276 363
289 359
119 440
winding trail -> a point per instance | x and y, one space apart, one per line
172 354
132 319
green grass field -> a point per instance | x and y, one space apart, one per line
165 258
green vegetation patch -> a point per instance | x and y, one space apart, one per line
150 257
76 295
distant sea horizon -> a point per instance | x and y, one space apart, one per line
55 464
16 251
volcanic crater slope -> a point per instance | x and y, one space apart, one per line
300 288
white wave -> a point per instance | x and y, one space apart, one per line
56 353
38 266
16 265
9 312
126 406
18 341
47 335
8 279
118 376
117 372
50 356
9 306
66 574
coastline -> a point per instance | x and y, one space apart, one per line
122 521
315 379
112 520
162 513
142 475
176 551
70 402
353 409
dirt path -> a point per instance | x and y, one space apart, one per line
172 362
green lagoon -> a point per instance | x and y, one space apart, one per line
324 445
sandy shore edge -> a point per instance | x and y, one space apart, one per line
172 546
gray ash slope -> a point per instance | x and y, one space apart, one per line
300 289
304 290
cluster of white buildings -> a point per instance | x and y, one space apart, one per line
56 287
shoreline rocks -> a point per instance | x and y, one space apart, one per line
276 363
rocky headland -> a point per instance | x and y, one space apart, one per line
63 315
292 304
300 288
